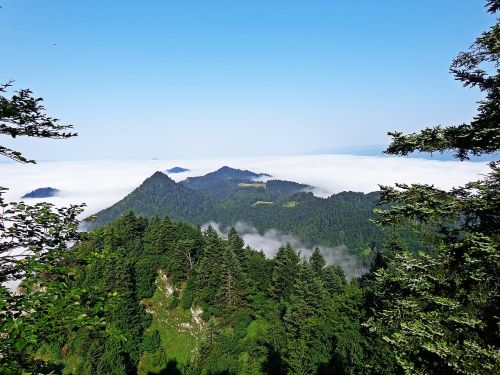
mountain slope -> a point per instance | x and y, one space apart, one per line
159 195
227 181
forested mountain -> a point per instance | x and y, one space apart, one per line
152 295
225 181
225 197
159 195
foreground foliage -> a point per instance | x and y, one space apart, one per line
440 314
172 285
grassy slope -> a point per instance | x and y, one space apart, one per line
180 333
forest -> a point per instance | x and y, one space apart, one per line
146 291
229 196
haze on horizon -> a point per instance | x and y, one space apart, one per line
223 79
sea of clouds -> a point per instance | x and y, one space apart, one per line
100 183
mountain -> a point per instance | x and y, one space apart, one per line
378 150
222 196
177 170
45 192
227 181
159 195
228 173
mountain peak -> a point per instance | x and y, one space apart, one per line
226 172
159 174
159 179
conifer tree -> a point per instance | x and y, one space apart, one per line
440 314
286 266
317 261
233 291
165 242
151 236
237 245
333 278
210 266
183 260
303 319
126 314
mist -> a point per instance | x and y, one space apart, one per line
273 239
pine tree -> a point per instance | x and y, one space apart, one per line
317 261
210 266
233 290
237 245
286 266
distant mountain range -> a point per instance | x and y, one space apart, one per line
229 195
378 150
44 192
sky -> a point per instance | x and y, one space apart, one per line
214 79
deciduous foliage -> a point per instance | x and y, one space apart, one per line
35 250
24 115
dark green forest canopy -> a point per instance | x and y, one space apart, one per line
258 315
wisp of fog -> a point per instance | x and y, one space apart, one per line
271 240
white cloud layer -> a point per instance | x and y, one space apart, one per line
101 183
271 240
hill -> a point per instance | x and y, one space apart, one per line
158 195
44 192
223 181
177 170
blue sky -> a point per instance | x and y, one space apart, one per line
227 78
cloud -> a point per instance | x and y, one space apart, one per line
100 183
270 241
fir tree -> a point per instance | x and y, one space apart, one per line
286 265
233 291
304 320
210 266
333 278
317 261
237 245
440 314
